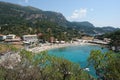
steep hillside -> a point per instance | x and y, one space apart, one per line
17 15
10 11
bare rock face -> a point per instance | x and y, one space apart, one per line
9 60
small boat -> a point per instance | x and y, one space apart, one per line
87 69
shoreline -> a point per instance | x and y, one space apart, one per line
45 47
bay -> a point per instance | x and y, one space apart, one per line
77 54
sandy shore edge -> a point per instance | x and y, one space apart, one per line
45 47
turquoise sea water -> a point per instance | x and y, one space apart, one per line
77 54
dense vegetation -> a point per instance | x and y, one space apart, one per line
43 67
107 65
115 39
18 20
113 35
47 29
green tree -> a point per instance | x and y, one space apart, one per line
44 67
106 64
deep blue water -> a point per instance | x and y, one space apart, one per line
77 54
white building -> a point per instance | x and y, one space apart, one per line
62 42
13 39
2 37
30 38
10 36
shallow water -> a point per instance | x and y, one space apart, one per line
77 54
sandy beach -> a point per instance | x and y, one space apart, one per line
45 47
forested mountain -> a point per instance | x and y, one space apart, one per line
17 17
89 28
28 13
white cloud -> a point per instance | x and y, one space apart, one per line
78 14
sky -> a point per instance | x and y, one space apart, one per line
99 12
